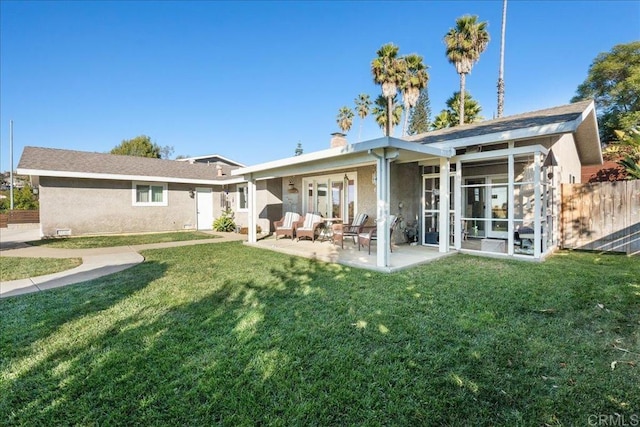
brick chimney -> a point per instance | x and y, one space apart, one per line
338 140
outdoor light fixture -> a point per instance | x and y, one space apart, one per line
192 193
292 189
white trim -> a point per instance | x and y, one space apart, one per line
134 193
224 159
503 154
352 149
118 177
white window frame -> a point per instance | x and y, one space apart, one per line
134 193
239 190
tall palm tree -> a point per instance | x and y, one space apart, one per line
386 72
465 42
449 116
501 69
363 105
345 119
380 113
414 78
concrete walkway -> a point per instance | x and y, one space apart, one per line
95 262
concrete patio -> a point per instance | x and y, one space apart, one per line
403 255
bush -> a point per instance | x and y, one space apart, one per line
225 222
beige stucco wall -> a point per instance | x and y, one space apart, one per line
89 206
269 202
566 154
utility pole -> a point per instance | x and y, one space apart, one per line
11 162
501 70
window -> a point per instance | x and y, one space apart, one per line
149 194
243 197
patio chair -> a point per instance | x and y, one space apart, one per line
285 227
340 231
309 226
371 234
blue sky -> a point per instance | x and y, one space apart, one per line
249 80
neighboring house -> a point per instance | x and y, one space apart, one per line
489 187
95 193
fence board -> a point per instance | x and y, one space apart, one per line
19 217
602 216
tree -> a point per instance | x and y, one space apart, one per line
386 72
299 150
380 113
414 78
140 146
471 110
464 44
24 199
627 152
363 105
420 119
613 81
345 119
166 152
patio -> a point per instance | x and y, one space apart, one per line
403 255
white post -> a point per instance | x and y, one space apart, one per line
537 205
382 177
443 223
510 205
457 207
252 211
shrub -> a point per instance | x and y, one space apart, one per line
225 222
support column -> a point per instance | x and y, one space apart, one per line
537 206
443 223
252 211
382 211
510 205
457 207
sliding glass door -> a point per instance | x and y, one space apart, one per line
332 196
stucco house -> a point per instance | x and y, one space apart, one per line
489 187
84 193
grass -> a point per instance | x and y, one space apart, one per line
231 335
21 268
120 240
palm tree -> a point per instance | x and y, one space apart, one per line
345 119
449 116
363 105
380 113
471 108
385 69
464 45
414 78
442 120
501 69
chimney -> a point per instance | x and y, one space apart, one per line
219 170
338 140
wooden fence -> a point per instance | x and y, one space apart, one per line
601 216
19 217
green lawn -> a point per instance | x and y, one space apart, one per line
225 334
120 240
21 268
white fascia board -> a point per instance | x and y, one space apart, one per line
518 134
186 159
516 151
333 153
107 176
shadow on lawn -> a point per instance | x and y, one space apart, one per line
49 310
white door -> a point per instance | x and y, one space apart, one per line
204 207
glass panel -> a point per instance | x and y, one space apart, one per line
323 199
242 196
310 198
499 208
156 194
351 200
336 199
475 207
142 193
